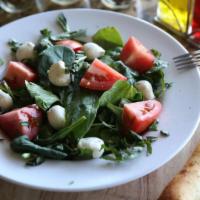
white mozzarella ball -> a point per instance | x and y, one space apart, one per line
146 89
93 50
94 144
25 51
56 117
6 101
57 74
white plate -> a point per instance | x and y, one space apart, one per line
180 114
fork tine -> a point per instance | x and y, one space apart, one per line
195 59
187 66
188 60
188 63
187 55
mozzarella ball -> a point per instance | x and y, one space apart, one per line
94 144
146 89
56 117
25 51
57 74
6 101
93 50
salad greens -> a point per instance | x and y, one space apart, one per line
108 38
88 113
43 98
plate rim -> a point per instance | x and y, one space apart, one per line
124 181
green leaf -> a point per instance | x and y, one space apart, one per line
43 98
80 103
78 35
4 86
126 71
52 55
154 126
45 32
14 45
24 123
63 133
164 133
1 62
120 90
156 53
108 38
62 22
23 145
156 77
124 154
116 110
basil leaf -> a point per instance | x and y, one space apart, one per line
120 90
108 38
43 98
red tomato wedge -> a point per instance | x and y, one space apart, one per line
100 76
140 115
136 56
76 46
17 73
22 121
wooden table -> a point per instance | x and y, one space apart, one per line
146 188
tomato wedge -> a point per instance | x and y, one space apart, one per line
136 56
76 46
140 115
100 76
22 121
17 73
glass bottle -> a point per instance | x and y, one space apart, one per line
176 15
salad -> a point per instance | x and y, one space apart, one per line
74 97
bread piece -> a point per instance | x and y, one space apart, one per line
186 184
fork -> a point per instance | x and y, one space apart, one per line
188 60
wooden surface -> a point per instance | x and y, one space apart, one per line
146 188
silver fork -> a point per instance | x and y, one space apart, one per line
188 60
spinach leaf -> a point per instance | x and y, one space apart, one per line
43 98
44 42
33 159
78 35
14 45
156 53
154 126
80 102
123 154
23 145
21 97
52 55
1 62
4 86
156 77
115 110
63 133
126 71
121 89
108 38
62 22
45 32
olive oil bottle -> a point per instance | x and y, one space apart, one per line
176 15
